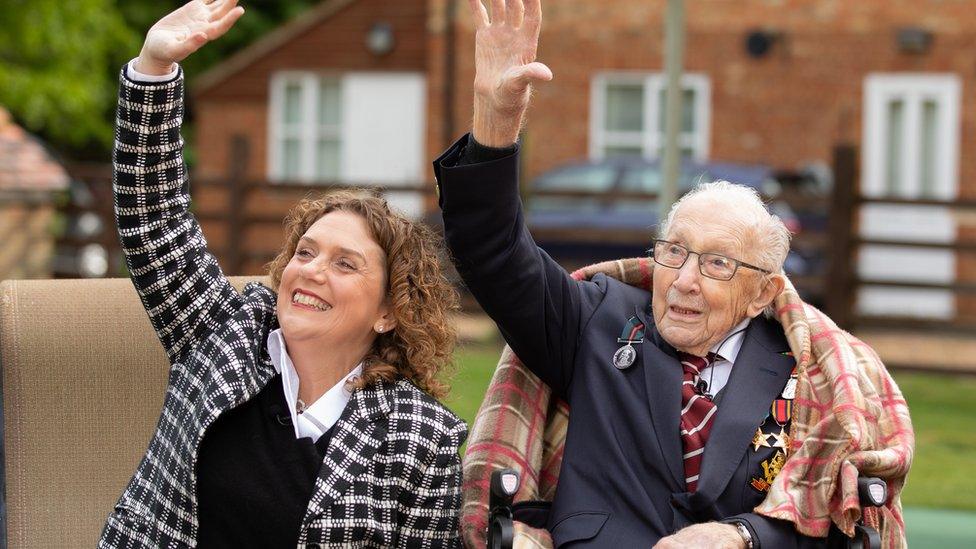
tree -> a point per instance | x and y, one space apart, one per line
60 61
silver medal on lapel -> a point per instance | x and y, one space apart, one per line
789 392
624 357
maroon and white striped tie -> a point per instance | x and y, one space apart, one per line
696 417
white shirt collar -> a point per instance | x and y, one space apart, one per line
728 348
322 414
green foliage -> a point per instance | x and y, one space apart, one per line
54 58
60 60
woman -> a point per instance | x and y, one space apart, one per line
303 419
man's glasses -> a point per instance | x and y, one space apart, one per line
719 267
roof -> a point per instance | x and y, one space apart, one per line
269 43
25 164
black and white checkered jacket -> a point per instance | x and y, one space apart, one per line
391 476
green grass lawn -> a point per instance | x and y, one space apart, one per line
943 412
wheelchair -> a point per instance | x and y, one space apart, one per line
503 513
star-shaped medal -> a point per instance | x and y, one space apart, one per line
759 440
781 439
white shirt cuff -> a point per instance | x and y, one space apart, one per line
137 76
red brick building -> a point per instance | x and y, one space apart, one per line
320 100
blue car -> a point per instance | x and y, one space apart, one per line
583 222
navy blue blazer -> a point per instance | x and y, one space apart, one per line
622 477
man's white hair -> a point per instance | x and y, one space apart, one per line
745 206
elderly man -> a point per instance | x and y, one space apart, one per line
680 398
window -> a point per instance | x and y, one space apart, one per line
911 135
306 123
627 115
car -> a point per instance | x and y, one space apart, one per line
590 211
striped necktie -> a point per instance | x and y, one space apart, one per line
696 417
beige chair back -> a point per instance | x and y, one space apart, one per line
83 384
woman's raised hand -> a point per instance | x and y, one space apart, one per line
505 67
184 31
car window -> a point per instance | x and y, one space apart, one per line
579 178
643 179
647 179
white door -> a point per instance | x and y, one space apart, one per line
911 150
383 133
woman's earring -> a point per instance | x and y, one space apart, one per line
380 328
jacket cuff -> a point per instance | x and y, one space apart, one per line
468 181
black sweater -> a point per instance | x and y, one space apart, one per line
254 478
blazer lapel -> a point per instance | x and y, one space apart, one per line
758 376
359 433
662 376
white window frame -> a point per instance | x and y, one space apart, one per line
913 89
651 138
309 131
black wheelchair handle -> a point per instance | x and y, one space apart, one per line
872 491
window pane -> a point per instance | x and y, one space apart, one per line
327 160
893 149
329 103
625 107
290 159
293 103
930 121
621 150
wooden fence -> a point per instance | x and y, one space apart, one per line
242 220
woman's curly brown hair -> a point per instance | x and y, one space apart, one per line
422 344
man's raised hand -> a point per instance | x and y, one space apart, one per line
505 67
184 31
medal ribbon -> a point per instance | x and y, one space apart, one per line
633 331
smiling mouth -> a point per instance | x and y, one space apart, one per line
309 301
683 311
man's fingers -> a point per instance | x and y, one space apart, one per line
532 18
519 78
533 72
498 15
514 10
479 13
218 28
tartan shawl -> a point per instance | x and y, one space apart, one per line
849 418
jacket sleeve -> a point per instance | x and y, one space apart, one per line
772 533
538 307
430 510
181 286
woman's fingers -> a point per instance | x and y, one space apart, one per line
219 27
220 8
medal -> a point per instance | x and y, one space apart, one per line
781 410
633 332
759 439
770 469
624 357
789 392
781 439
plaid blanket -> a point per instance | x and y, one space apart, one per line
849 418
